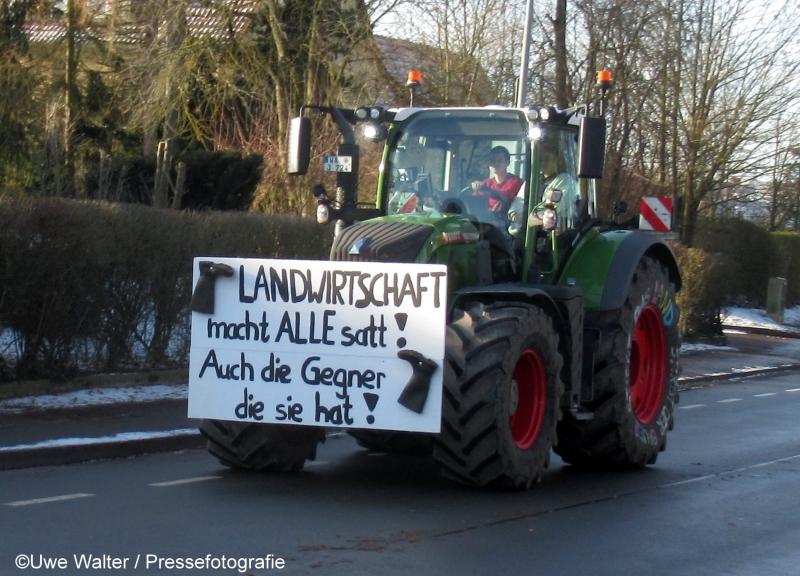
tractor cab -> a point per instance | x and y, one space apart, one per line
440 162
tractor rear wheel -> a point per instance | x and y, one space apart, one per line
635 376
262 447
501 393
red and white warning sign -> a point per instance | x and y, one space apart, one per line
655 214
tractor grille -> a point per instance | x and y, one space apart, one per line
381 242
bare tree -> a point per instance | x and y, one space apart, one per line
737 83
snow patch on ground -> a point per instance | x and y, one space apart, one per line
733 318
122 437
688 347
757 318
95 397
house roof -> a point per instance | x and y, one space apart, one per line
217 22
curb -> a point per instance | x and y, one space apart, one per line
29 456
686 382
763 331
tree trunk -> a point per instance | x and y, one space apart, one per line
560 36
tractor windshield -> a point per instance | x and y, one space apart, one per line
471 162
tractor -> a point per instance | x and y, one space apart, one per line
562 326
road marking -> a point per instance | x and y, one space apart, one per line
689 481
46 500
184 481
794 390
764 395
738 470
691 406
318 463
729 400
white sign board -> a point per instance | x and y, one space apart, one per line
338 164
319 343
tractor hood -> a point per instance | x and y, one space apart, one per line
402 238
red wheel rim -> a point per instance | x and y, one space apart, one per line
527 419
648 367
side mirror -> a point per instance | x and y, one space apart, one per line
553 196
299 146
591 147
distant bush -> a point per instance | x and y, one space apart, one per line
87 287
731 265
789 254
702 294
215 180
220 180
747 256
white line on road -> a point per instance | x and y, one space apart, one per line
184 481
689 481
764 395
691 406
729 400
738 470
46 500
794 390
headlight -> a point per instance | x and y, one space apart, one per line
323 213
374 132
549 219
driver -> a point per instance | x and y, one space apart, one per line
501 183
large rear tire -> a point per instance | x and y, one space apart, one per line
635 377
262 447
501 396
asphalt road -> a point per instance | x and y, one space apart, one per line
723 499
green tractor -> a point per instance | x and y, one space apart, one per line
562 326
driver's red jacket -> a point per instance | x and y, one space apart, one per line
508 189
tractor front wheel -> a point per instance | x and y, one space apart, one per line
502 389
262 447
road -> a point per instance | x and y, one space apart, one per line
723 499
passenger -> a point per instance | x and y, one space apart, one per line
568 207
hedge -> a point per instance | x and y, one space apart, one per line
97 287
731 265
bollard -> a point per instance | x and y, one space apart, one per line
776 299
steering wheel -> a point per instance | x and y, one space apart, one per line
483 192
454 205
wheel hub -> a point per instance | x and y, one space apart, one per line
529 408
513 398
648 364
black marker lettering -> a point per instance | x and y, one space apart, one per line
275 371
299 296
338 414
279 284
261 282
242 297
249 409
